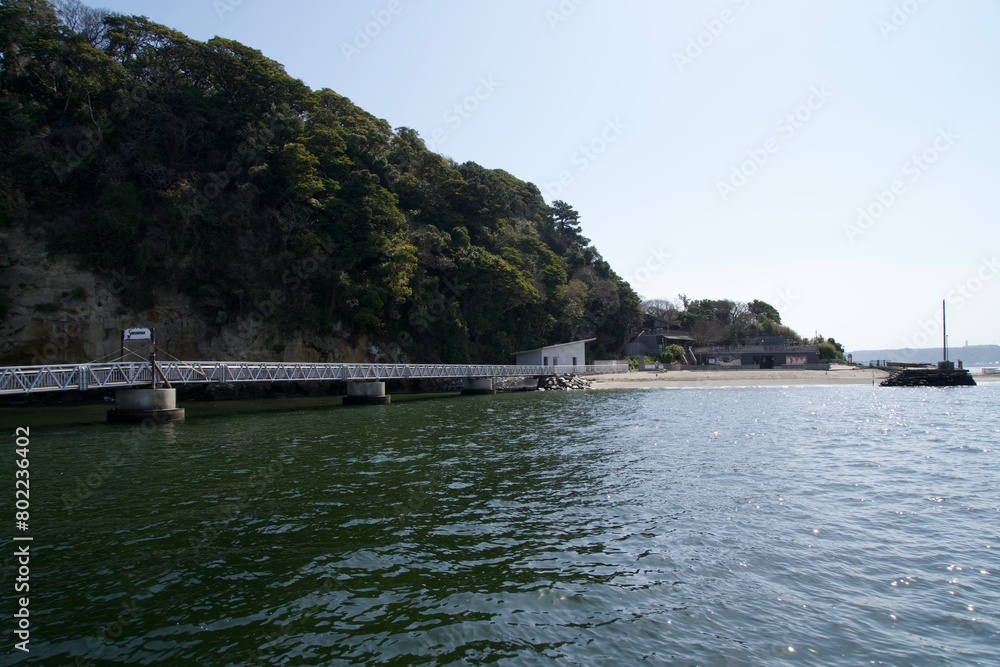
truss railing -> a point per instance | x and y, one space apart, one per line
82 377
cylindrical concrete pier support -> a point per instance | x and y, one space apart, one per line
134 406
477 386
366 393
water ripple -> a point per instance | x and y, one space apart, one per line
814 525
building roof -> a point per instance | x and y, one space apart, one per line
747 349
668 334
545 347
655 322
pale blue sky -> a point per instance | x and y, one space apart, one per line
886 80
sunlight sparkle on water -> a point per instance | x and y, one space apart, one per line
514 535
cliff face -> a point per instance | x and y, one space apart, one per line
60 313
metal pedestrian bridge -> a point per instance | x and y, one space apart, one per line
139 374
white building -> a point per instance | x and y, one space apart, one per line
561 354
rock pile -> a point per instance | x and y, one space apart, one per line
930 377
514 384
562 383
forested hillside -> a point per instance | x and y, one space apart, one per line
172 166
727 322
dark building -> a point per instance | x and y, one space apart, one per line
656 336
761 351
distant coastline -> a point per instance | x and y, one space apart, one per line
971 355
837 375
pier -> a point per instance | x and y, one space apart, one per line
132 374
147 388
945 375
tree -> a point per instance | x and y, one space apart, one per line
571 302
829 349
709 332
85 21
664 309
566 219
673 354
206 169
706 310
29 35
761 309
741 321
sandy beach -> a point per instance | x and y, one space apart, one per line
749 378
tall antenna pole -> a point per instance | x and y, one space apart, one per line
944 328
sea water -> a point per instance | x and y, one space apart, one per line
848 525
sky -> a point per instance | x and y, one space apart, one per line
834 158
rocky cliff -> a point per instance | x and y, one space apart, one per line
59 313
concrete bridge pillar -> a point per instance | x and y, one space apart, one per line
477 386
134 406
366 393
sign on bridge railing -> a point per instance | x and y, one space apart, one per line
137 334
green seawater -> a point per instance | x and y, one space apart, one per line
797 525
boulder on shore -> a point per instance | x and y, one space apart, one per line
569 382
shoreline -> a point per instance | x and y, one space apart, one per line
842 375
650 379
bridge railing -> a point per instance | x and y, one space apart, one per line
81 377
76 377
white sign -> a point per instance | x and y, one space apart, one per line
137 334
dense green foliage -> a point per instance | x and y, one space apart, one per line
721 321
829 349
674 353
205 168
726 322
